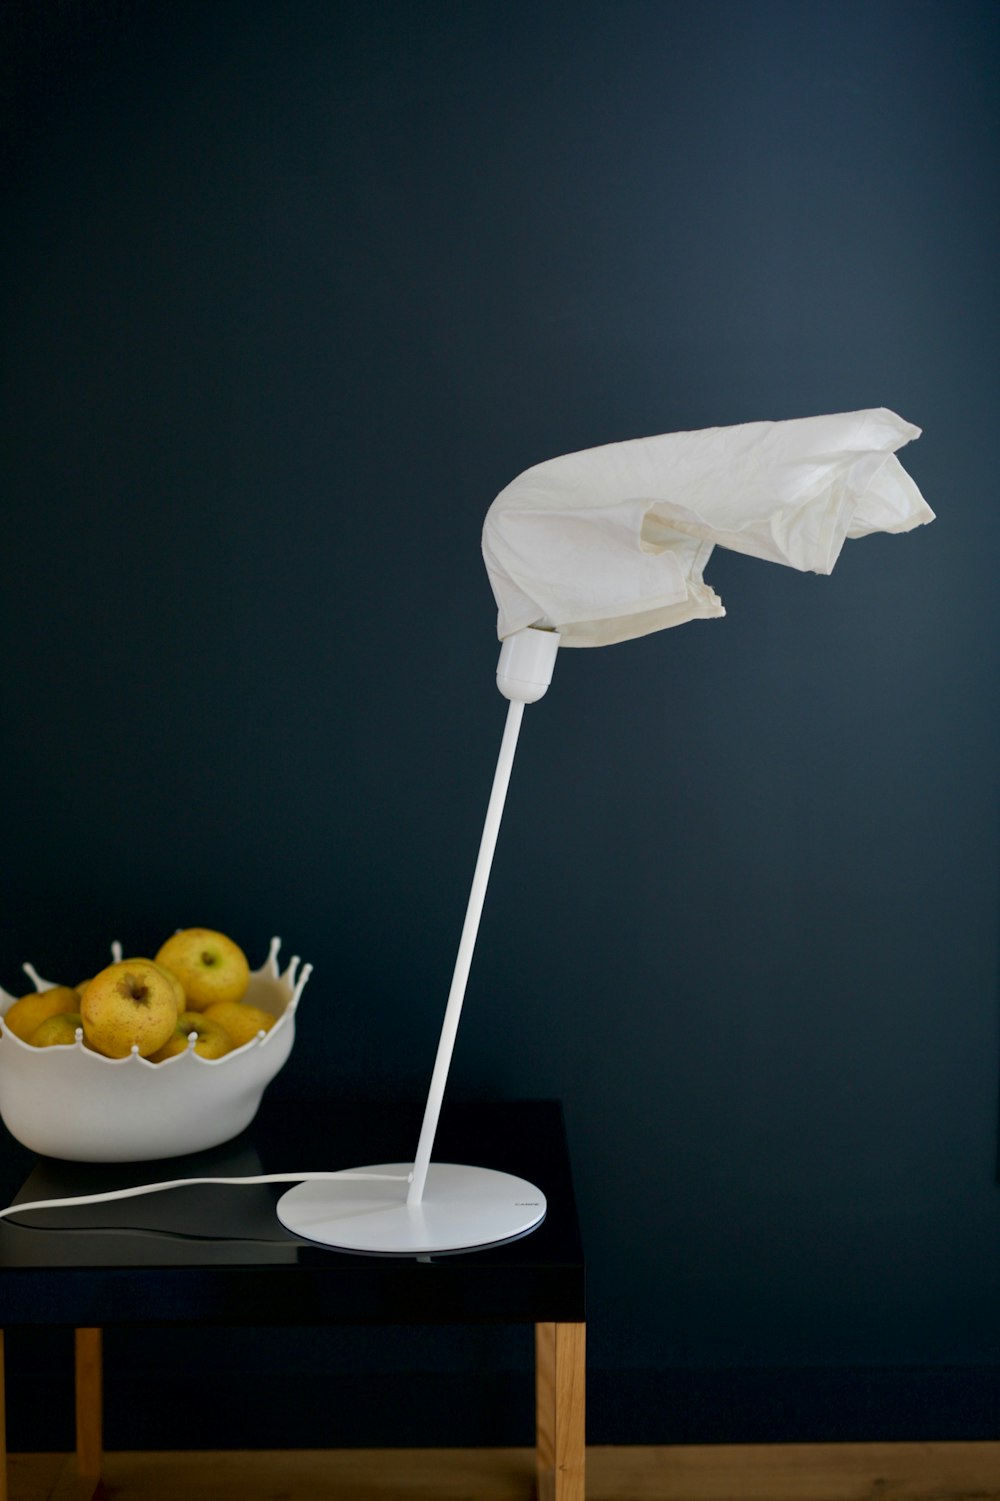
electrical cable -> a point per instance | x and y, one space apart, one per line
152 1188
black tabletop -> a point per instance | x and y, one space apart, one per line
218 1255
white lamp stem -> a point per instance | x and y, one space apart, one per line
463 1207
467 943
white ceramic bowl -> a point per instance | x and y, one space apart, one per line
74 1103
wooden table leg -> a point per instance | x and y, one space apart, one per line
3 1426
560 1393
89 1403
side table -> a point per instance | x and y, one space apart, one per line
86 1269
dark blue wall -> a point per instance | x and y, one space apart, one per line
291 291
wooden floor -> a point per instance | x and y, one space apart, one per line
788 1472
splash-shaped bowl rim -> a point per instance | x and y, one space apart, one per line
293 980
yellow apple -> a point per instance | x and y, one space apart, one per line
210 966
241 1021
213 1040
181 998
58 1031
131 1004
27 1014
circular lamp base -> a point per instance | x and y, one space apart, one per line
462 1208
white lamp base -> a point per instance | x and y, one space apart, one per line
461 1208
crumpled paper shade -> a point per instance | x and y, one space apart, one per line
611 543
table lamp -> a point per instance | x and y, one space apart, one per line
589 549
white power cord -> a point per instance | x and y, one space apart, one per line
154 1188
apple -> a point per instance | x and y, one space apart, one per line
210 966
178 987
57 1031
213 1041
240 1020
27 1014
126 1005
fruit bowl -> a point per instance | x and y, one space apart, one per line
74 1103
